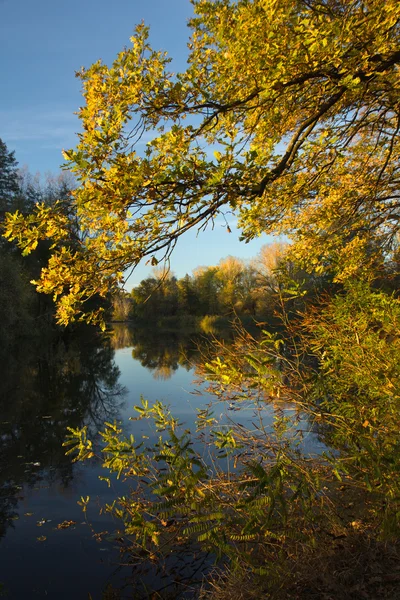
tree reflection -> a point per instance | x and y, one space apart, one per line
160 351
68 381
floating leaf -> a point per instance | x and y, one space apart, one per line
65 524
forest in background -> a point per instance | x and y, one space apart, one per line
232 288
23 312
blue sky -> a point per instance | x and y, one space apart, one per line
42 44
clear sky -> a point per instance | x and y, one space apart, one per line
42 44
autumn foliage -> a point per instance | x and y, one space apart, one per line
287 115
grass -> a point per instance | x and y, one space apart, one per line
346 561
353 567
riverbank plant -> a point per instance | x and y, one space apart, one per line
256 493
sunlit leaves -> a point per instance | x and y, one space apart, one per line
287 114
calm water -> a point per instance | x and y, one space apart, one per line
78 380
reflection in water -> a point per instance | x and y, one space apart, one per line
163 352
160 352
68 381
251 417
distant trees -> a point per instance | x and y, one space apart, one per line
188 301
9 180
16 294
121 307
232 287
17 300
20 193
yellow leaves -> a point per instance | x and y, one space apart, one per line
67 154
66 524
350 81
83 502
272 88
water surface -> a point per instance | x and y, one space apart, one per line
70 381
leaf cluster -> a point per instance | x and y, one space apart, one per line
287 115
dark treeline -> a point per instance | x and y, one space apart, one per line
25 313
52 377
48 385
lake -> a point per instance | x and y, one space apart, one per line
47 547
